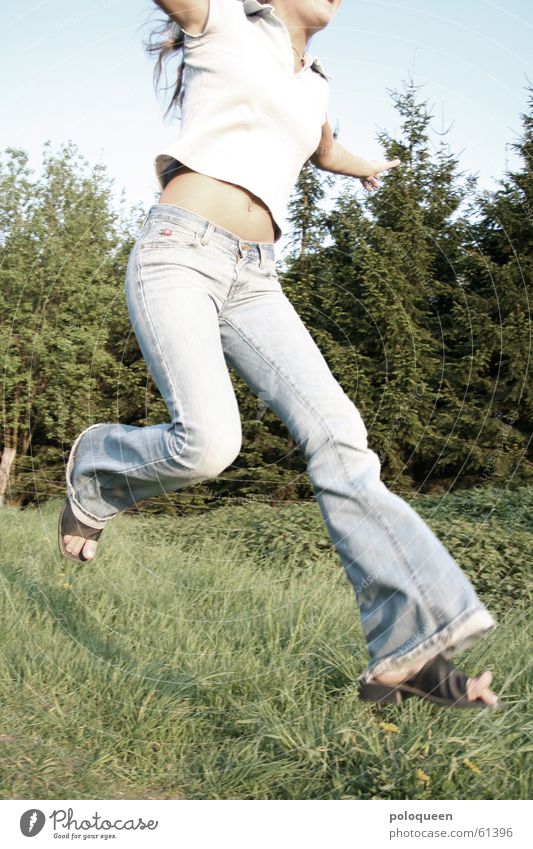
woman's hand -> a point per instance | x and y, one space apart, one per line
332 156
370 182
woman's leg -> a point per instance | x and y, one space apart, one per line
171 290
415 601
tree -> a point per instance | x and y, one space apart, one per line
58 282
500 270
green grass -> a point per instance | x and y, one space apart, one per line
215 656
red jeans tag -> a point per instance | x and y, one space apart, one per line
165 232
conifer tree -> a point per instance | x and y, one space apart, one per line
497 275
389 259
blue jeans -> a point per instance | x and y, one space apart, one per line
200 297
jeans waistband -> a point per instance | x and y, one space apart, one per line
211 232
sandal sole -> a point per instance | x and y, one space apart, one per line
386 694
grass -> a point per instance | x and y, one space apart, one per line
214 657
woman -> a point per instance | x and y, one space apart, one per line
202 291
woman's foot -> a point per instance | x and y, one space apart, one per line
75 544
76 540
477 688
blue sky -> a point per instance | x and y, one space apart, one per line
77 70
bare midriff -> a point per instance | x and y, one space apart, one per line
225 204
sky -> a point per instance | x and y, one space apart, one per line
76 70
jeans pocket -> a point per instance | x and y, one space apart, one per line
159 234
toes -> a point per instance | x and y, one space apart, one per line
75 544
89 549
478 688
484 680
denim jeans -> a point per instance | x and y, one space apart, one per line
200 297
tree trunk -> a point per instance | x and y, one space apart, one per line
8 458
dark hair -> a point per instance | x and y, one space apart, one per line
166 42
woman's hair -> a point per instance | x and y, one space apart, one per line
166 42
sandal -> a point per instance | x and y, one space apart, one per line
70 524
438 681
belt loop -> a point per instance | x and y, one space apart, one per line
207 233
144 225
262 254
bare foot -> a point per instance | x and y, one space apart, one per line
477 688
75 544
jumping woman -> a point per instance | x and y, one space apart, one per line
203 292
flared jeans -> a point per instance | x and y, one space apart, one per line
200 298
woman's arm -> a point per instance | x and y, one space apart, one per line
332 156
190 14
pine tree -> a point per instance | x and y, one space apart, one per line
497 275
390 262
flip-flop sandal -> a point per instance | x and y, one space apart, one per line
438 681
70 524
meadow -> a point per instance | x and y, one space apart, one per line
214 656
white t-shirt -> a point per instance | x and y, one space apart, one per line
247 117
